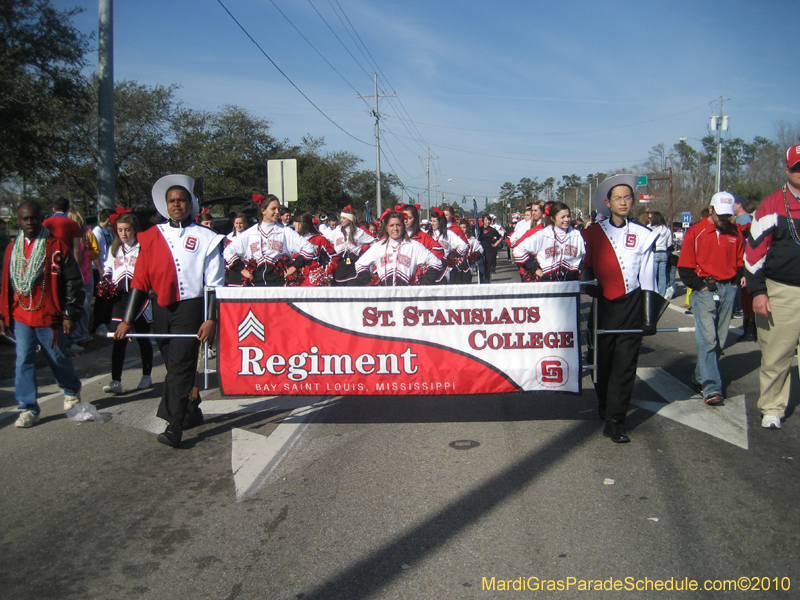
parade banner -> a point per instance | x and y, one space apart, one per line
456 339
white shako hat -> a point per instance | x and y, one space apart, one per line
602 191
161 186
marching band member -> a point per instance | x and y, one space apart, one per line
254 257
455 247
119 269
322 267
177 259
554 253
619 254
350 242
396 258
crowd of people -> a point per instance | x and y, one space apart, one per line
48 283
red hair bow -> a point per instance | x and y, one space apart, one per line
348 208
120 211
257 198
437 211
386 213
417 206
397 207
547 209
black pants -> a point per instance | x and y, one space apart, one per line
102 306
618 355
180 354
489 262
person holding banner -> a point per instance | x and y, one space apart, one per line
177 260
454 246
619 255
554 253
257 256
396 258
350 242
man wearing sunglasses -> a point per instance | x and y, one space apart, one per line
772 261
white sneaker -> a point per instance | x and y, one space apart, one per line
70 401
102 331
27 419
211 354
669 293
145 382
771 422
115 387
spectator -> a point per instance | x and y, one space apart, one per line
45 301
662 250
773 280
104 236
711 263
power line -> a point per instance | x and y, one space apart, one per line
315 49
287 77
340 40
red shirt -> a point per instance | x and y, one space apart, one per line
64 229
711 251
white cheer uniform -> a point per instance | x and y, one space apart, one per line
396 262
556 252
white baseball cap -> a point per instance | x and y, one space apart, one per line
722 203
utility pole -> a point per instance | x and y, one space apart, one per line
719 124
428 173
376 113
105 100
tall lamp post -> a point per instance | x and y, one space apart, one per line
588 179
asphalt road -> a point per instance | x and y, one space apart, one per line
404 497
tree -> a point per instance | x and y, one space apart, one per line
41 85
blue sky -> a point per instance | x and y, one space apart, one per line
497 90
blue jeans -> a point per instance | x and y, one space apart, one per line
711 321
660 259
28 338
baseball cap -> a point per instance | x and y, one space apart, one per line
792 156
722 203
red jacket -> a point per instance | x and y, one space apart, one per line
709 251
63 289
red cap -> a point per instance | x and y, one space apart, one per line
792 156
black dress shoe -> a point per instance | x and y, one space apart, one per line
616 431
192 418
172 436
601 412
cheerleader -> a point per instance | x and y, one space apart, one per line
350 242
239 226
118 270
255 256
411 212
396 258
322 267
455 248
475 252
556 252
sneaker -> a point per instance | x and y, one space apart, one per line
688 311
70 401
210 354
713 399
115 387
767 422
738 314
75 348
192 418
102 331
145 382
28 419
172 436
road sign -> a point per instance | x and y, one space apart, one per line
642 180
686 219
282 179
647 197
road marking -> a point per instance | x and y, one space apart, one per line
727 422
254 457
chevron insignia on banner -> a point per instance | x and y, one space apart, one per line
249 325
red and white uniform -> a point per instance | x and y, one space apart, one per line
452 244
120 269
520 229
558 253
177 262
325 257
621 257
267 243
347 251
396 261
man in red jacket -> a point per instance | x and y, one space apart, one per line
42 294
712 265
